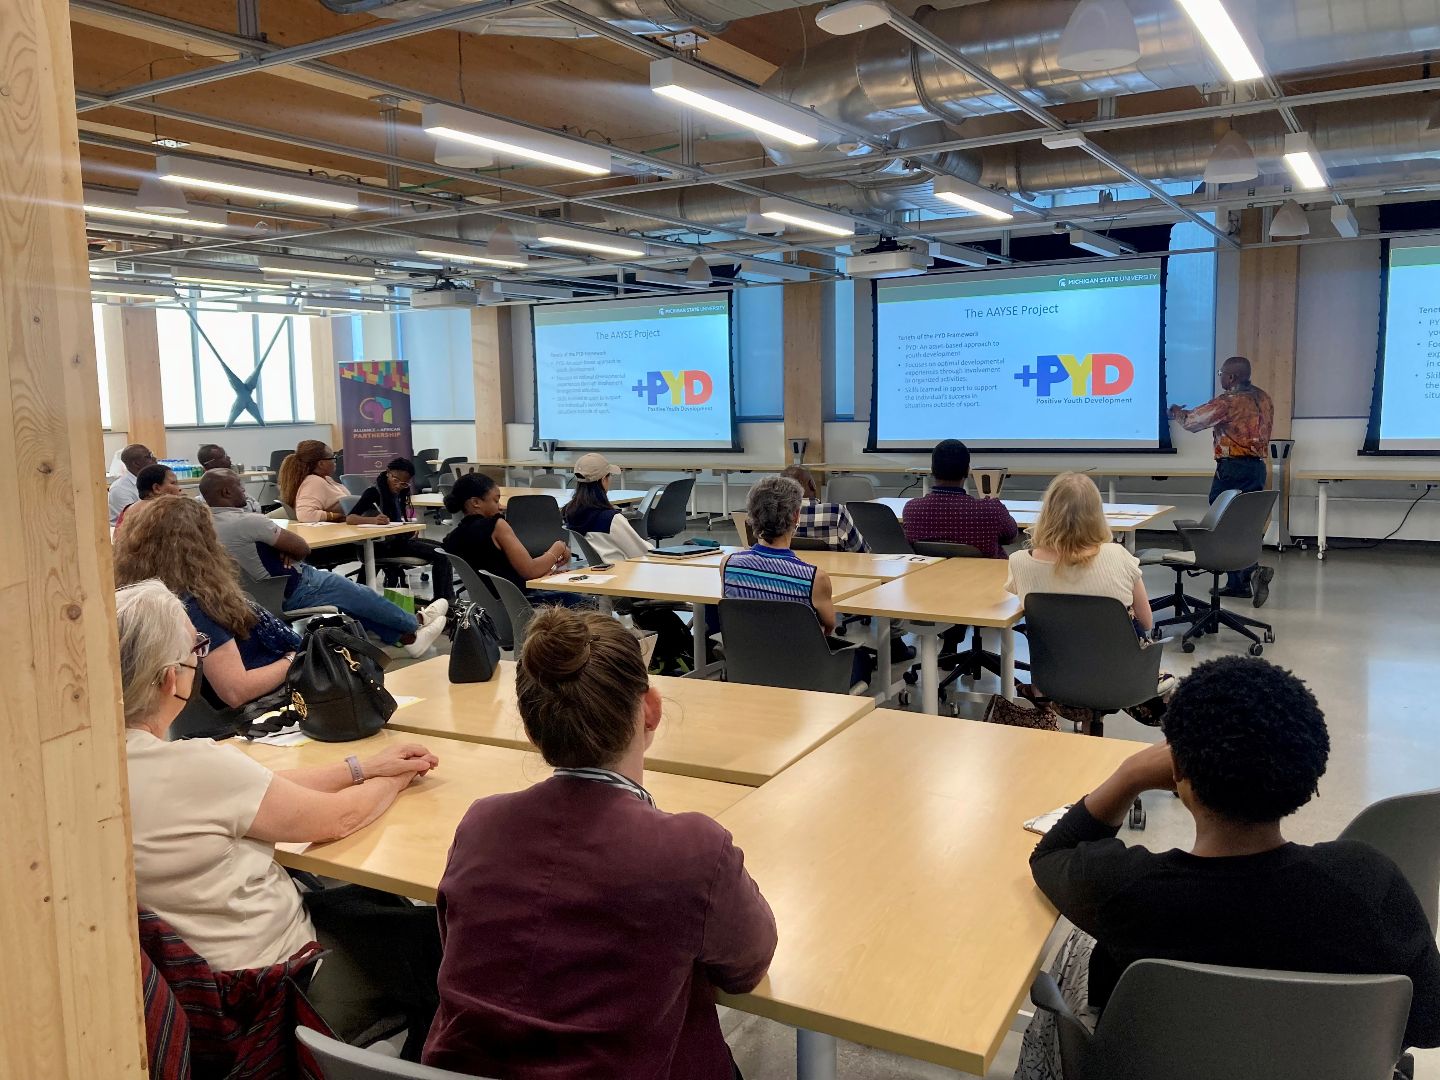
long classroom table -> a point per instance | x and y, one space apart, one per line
404 851
896 863
1109 475
843 563
1124 518
1323 480
334 534
431 500
729 732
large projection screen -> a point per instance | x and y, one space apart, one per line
1405 408
1058 359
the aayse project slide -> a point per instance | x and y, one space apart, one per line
636 374
1067 359
1409 382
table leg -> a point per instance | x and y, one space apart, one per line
1321 510
930 669
697 633
1007 663
370 574
690 510
1110 487
1127 537
814 1055
884 674
725 493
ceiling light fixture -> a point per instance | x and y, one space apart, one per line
1343 218
981 200
115 205
698 273
460 125
481 256
1100 36
958 253
329 270
1232 161
267 187
805 217
459 155
341 305
524 291
852 16
584 241
167 143
1224 39
1289 221
1065 140
157 198
698 89
1100 245
1303 161
218 275
131 291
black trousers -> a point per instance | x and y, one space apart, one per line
384 961
415 547
1239 474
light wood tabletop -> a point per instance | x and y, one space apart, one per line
660 581
896 863
433 499
967 591
332 535
1121 517
713 730
843 563
404 850
1338 475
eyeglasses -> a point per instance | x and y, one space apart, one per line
201 648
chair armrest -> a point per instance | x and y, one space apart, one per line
1185 523
1075 1037
310 612
1045 994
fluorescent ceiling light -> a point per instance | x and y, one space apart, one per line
524 290
957 253
258 307
584 241
709 93
1232 162
1303 161
1065 140
789 213
329 270
1343 218
674 278
134 291
1100 36
1289 220
342 305
774 268
482 256
219 275
123 207
1100 245
157 198
267 187
447 122
1224 39
853 16
981 200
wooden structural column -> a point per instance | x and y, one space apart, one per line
1266 326
132 342
804 314
70 993
490 353
322 371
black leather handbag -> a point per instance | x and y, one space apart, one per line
337 682
475 647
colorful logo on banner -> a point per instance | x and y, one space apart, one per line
1096 375
681 387
378 410
375 413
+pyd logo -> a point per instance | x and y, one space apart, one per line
681 387
1097 375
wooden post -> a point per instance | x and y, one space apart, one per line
132 341
494 380
804 310
1269 302
322 370
70 995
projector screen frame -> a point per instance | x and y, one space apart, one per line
734 448
1165 444
1371 447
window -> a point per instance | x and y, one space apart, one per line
1190 316
98 312
437 346
196 348
840 358
760 353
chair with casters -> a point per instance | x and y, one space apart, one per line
507 606
204 716
548 481
341 1061
805 543
969 663
1188 1021
269 593
742 528
425 473
1180 561
356 483
348 503
282 513
587 551
848 489
1406 828
753 631
536 520
1235 542
277 458
667 514
880 528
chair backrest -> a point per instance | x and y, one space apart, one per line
282 513
268 592
511 616
202 717
356 483
1197 1022
806 543
341 1061
943 550
1407 829
1238 536
548 480
536 520
667 515
880 528
448 464
277 458
742 527
780 643
1084 651
1218 507
348 503
584 547
845 489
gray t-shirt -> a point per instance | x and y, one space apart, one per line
240 531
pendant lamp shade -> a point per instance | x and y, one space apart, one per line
1289 221
1100 36
157 198
1232 161
699 272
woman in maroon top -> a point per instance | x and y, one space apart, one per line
584 928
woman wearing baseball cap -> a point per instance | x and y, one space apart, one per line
591 514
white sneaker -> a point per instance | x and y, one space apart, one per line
425 637
434 611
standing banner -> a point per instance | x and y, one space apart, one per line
375 414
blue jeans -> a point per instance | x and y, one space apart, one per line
317 588
1238 474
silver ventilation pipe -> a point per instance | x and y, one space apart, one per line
636 16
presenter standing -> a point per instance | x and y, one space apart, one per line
1241 418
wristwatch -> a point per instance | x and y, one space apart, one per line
357 774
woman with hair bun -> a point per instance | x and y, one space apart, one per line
585 929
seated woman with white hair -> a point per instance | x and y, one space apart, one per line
206 819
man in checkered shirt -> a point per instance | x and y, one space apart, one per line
830 523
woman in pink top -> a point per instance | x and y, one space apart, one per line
307 482
585 929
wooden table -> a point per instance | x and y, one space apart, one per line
842 563
328 534
1323 480
1124 518
1110 475
619 497
969 592
712 730
404 850
896 863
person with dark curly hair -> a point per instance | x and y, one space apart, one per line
1246 748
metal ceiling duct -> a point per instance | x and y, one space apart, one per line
637 16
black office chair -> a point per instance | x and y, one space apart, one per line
536 520
968 663
425 473
269 593
880 527
781 643
277 458
1179 560
356 483
508 607
806 543
1235 542
668 514
204 716
848 489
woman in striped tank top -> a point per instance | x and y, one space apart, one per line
770 570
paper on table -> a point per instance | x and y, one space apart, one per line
315 524
1045 822
583 579
291 736
913 558
401 700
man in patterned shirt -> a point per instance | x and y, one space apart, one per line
949 515
828 522
1241 419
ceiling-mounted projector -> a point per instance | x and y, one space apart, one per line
445 294
888 259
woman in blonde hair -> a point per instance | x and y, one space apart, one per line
1070 550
